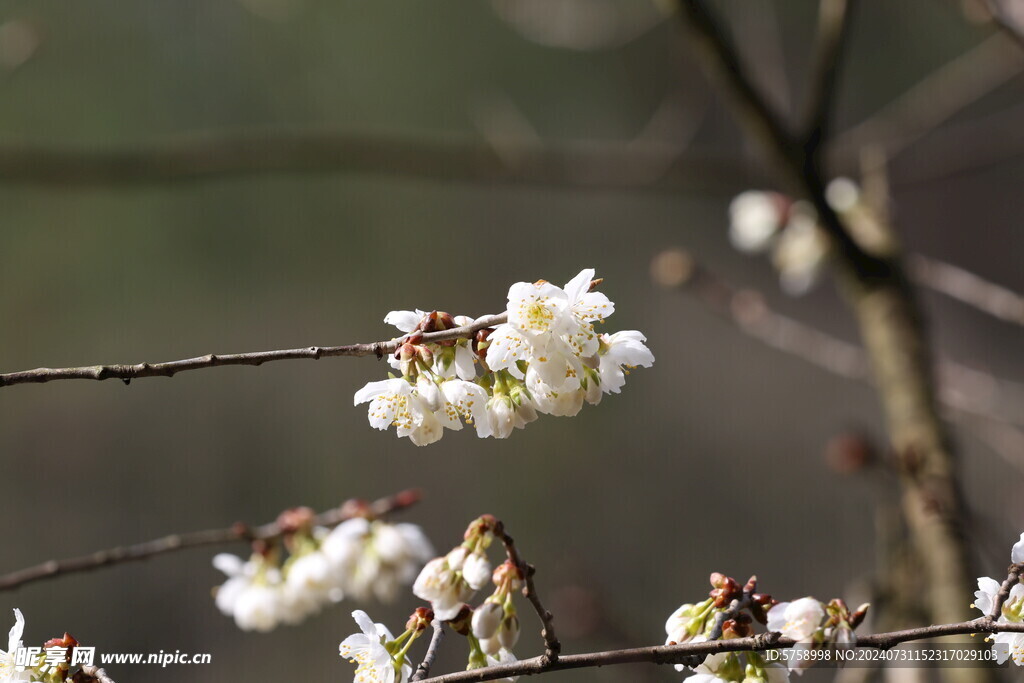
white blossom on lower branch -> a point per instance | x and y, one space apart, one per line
548 358
379 656
811 623
51 662
362 559
1007 645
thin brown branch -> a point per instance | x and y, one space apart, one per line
423 670
725 68
194 539
892 326
750 313
552 647
675 654
198 157
834 20
687 652
1012 579
127 373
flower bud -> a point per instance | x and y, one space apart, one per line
425 354
476 570
508 571
490 645
508 632
461 622
857 618
420 619
486 620
457 557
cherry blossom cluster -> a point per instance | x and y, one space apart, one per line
730 611
761 221
52 662
548 358
362 559
1012 611
447 583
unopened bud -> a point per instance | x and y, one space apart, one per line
479 342
461 624
476 570
486 620
508 632
857 618
508 571
751 585
420 619
491 645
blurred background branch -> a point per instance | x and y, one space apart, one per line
196 539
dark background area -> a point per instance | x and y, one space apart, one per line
711 460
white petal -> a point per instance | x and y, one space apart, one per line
372 390
365 623
14 636
1017 554
230 564
579 285
405 321
506 346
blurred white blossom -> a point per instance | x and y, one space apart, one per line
375 559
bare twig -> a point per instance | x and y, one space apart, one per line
935 98
198 157
687 652
423 670
965 286
892 327
171 368
194 539
1012 579
748 311
675 654
834 20
552 648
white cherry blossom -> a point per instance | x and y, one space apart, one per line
798 620
443 585
374 663
621 352
394 402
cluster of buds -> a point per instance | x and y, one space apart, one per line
51 663
761 221
734 609
449 582
695 622
548 358
378 655
363 558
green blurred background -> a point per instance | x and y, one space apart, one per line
712 460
